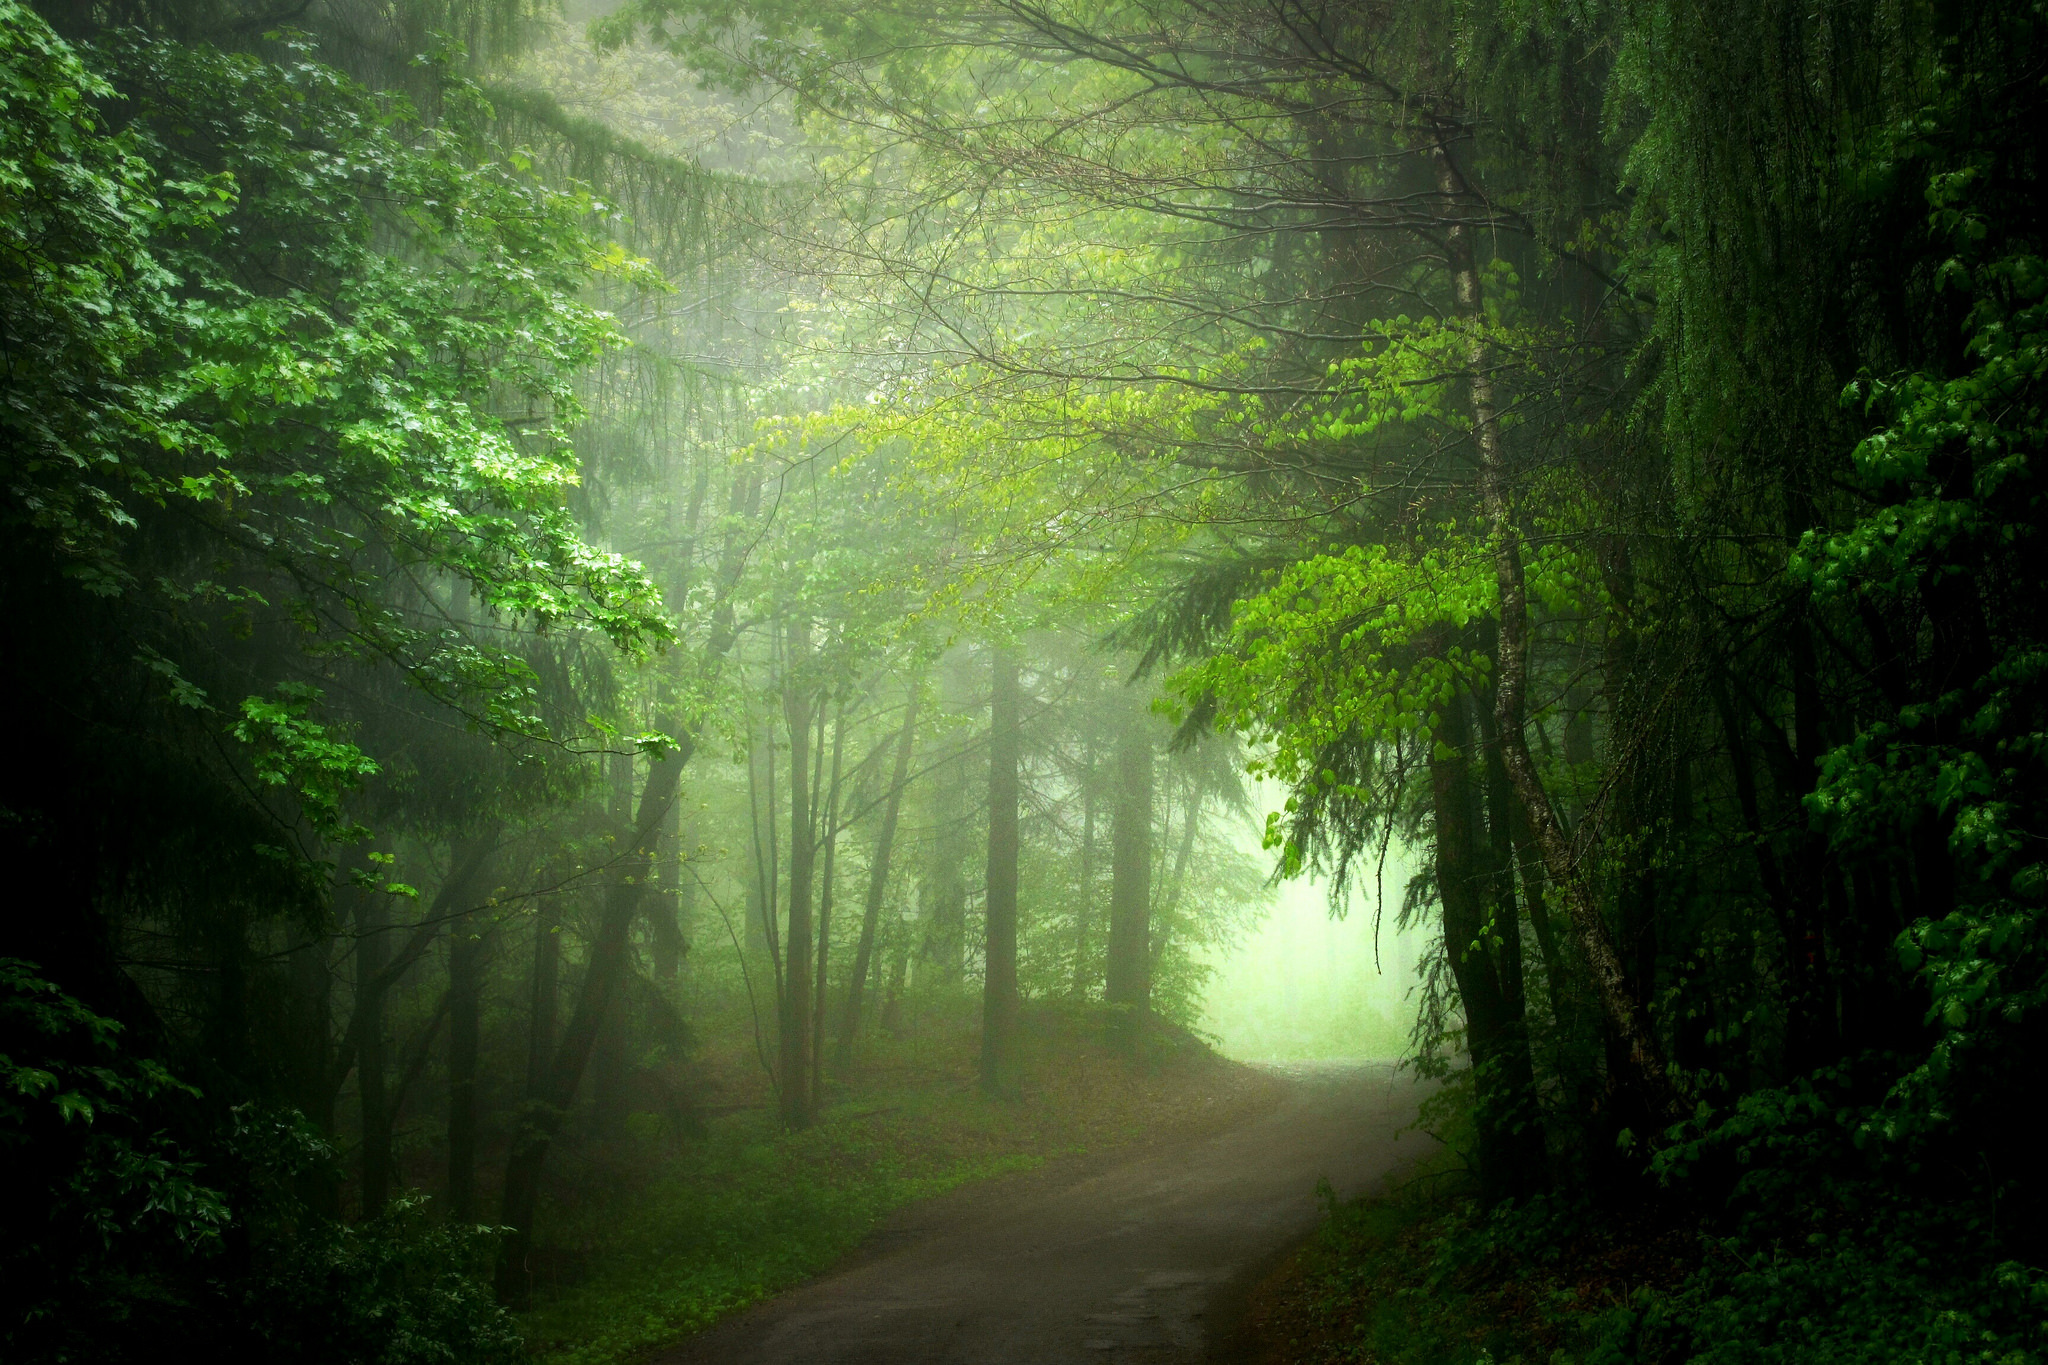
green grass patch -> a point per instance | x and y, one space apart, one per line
746 1212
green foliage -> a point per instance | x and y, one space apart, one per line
1411 1278
143 1216
108 1203
1955 475
1834 1246
277 340
404 1289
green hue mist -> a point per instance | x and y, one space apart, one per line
1304 986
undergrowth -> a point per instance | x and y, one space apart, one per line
1773 1237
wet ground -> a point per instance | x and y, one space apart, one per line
1116 1261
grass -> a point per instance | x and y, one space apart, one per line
749 1211
649 1241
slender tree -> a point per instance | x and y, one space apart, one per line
999 984
828 826
468 945
800 705
878 885
1129 981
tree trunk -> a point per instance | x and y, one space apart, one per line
466 960
547 971
1085 912
609 1096
798 707
366 1044
547 1107
686 889
608 1062
465 1016
1129 977
763 887
878 884
312 1052
374 1171
830 832
1500 832
899 974
1475 942
945 928
1161 924
666 916
1646 1071
999 983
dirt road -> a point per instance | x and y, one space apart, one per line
1142 1260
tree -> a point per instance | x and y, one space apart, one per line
878 884
999 982
1129 984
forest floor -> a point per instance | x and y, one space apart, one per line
654 1237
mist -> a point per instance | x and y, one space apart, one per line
1305 985
985 682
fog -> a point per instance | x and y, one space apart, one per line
1305 985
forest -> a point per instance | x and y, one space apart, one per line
649 635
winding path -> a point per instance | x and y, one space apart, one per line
1143 1260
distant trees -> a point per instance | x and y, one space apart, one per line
1583 443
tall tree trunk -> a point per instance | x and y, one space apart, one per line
466 959
610 1098
1085 913
312 1053
1475 942
945 927
608 1062
686 889
1547 946
372 949
1161 922
1636 735
545 991
798 708
1501 861
878 884
999 983
898 939
666 916
763 887
829 832
1644 1056
1799 1025
1129 976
